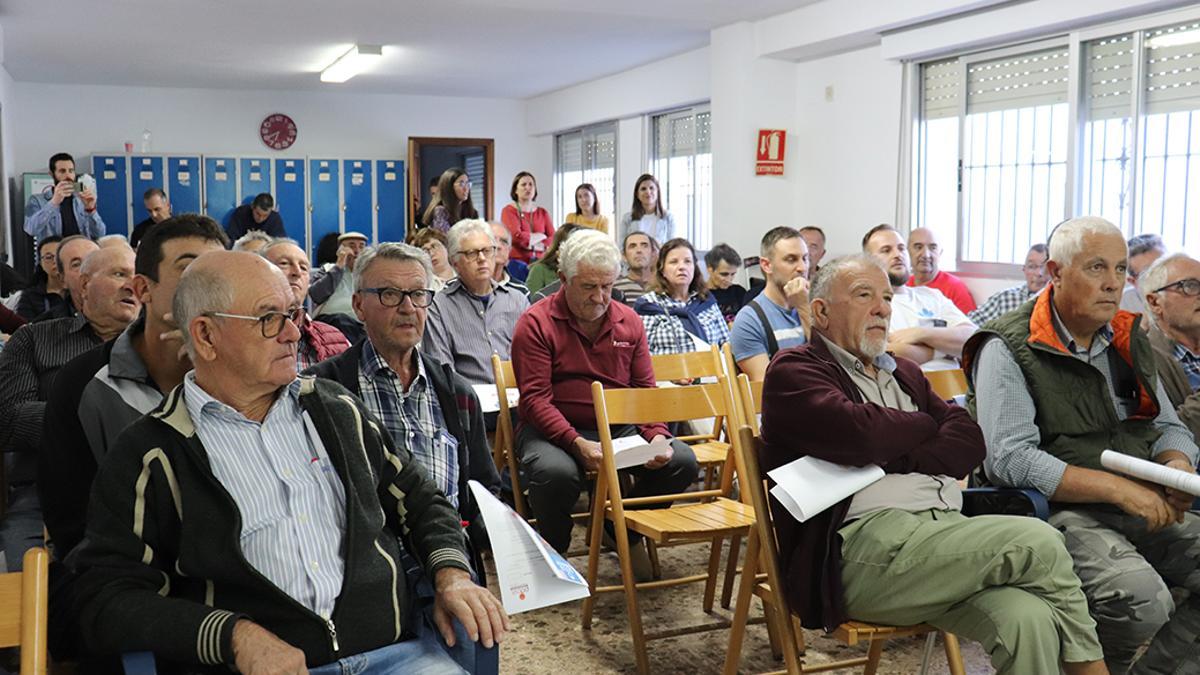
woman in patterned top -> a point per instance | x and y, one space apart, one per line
679 309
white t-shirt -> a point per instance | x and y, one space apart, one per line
924 307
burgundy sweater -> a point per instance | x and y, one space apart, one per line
812 407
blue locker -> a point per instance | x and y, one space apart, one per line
290 201
358 205
112 192
256 177
390 200
183 184
325 204
220 188
146 172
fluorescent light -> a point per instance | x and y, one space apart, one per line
353 62
1176 39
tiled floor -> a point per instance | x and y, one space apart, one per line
550 641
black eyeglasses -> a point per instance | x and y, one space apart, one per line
1188 287
392 297
271 324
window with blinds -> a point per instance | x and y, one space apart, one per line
587 155
475 167
681 160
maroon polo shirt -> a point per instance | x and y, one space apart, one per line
555 364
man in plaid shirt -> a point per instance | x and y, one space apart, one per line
1171 289
1007 300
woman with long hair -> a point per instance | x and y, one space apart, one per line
679 310
648 214
545 271
46 293
529 224
452 202
587 209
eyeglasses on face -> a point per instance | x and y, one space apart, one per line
1188 287
484 252
393 297
270 324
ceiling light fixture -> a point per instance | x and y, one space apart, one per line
1175 39
353 62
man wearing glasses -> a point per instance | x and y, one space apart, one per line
255 519
1005 301
473 317
1171 288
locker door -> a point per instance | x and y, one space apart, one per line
183 184
112 192
357 203
220 188
290 199
324 200
256 178
147 172
390 188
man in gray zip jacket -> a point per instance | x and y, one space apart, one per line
255 519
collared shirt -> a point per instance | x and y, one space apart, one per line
1001 303
413 418
43 218
924 307
290 497
666 334
1006 413
464 330
630 288
908 491
1191 365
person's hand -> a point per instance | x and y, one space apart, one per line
346 257
796 292
89 199
684 382
1179 500
665 451
906 336
257 651
1146 503
589 453
62 191
480 613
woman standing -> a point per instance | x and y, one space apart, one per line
545 271
587 209
648 214
46 293
452 202
678 310
529 224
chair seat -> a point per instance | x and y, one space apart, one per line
692 521
854 632
710 452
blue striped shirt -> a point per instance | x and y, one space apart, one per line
291 500
464 330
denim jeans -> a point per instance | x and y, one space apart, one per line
419 656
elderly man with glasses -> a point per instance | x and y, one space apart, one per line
255 519
474 316
1171 289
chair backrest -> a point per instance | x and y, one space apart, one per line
731 369
24 598
687 366
947 383
750 402
505 380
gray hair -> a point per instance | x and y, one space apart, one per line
391 251
588 247
110 239
1144 243
1066 241
822 285
1155 277
252 235
200 291
464 228
277 241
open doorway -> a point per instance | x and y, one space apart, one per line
429 157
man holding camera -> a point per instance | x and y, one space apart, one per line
59 213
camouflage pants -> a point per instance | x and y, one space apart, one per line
1127 575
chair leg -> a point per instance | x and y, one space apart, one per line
741 613
954 657
927 653
874 654
714 565
735 546
631 600
772 628
514 471
595 527
652 553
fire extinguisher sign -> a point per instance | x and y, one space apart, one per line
769 153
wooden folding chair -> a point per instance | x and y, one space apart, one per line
710 450
947 383
710 520
24 599
504 449
762 550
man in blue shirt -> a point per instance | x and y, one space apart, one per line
778 317
57 212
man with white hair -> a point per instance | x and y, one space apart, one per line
473 317
1144 249
1171 288
508 270
573 338
318 340
900 551
1054 384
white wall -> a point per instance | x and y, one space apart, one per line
7 139
369 126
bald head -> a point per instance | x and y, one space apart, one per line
924 253
220 281
106 290
71 254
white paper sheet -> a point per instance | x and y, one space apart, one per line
531 573
809 485
1151 471
537 241
489 400
632 451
